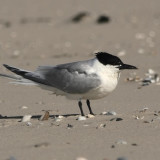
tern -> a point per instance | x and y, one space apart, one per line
89 79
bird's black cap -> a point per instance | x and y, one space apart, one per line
108 59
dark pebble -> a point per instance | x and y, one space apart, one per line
79 17
134 144
103 19
116 119
69 126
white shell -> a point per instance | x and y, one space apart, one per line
109 113
26 118
81 118
90 116
121 142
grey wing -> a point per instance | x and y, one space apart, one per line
70 78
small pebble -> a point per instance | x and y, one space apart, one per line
60 117
103 113
45 144
111 113
81 118
69 126
113 146
79 17
102 125
121 142
24 107
26 118
90 116
28 123
103 19
56 119
134 144
144 110
116 119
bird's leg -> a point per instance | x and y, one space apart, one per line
80 107
89 107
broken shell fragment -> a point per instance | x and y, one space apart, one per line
121 142
90 116
81 118
144 110
26 118
28 123
45 116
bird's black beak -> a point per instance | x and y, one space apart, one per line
127 66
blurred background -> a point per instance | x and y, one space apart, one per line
43 31
50 32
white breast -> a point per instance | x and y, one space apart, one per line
108 75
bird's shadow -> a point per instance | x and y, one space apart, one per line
36 116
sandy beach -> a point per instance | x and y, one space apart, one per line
37 32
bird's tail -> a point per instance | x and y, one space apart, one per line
17 79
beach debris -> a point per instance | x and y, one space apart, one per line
26 118
58 119
85 125
103 113
113 146
45 116
55 124
81 158
103 19
116 119
101 126
134 144
90 116
69 126
24 107
109 113
138 117
81 118
121 142
151 77
79 17
133 78
144 110
28 123
121 53
43 144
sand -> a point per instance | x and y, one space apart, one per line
34 33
